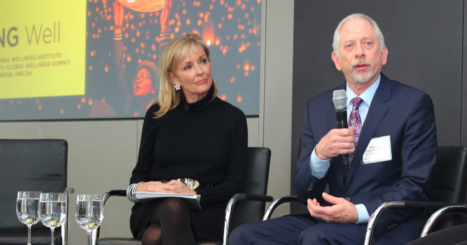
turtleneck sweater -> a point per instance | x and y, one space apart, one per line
205 141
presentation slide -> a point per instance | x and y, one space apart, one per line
80 59
42 48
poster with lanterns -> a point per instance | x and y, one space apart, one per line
118 39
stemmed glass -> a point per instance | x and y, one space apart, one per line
27 209
89 213
53 211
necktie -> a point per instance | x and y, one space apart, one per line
356 121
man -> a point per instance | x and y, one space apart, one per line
391 141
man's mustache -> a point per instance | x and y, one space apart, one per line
360 62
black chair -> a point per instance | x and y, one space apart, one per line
30 165
448 187
245 211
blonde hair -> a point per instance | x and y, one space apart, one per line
172 56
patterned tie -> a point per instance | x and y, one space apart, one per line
356 121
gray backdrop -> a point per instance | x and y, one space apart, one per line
425 39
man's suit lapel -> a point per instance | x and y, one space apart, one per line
376 113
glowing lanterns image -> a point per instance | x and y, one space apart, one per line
246 67
142 28
208 32
122 34
147 6
143 5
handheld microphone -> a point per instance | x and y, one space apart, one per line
339 98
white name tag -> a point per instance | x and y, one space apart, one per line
378 150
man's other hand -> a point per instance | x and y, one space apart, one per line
342 211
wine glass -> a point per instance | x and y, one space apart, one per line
52 211
89 213
27 209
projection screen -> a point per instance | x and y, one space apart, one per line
79 59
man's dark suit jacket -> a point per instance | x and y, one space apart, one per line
407 116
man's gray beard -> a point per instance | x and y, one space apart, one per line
360 76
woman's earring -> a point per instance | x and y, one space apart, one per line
177 87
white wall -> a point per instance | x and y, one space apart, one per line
102 153
276 118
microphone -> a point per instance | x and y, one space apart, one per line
339 98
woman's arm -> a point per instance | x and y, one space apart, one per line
146 150
236 167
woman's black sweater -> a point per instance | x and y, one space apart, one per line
205 141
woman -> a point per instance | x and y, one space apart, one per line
144 89
188 133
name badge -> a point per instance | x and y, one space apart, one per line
378 150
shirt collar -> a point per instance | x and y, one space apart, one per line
367 95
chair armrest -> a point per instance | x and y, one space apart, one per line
64 227
451 209
399 204
106 196
231 205
110 193
276 203
253 197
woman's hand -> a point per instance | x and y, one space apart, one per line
154 186
180 187
173 186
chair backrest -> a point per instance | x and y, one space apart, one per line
29 165
450 174
256 183
449 179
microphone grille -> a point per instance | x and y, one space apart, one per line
339 98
